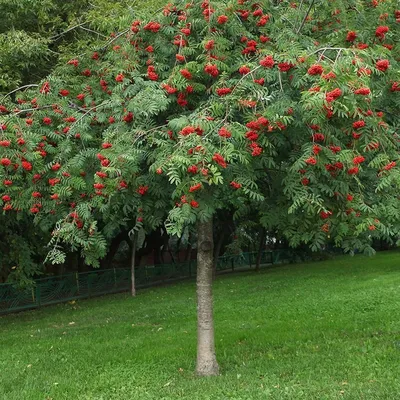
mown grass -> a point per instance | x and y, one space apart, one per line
328 330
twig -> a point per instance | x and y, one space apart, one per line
280 80
140 134
287 20
321 55
70 104
76 107
158 10
305 17
68 30
31 109
115 38
154 129
89 111
91 30
337 56
300 7
244 76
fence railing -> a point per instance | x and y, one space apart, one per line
75 286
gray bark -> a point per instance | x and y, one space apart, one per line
133 287
206 360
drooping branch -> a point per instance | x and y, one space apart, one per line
79 26
26 110
55 37
18 89
92 31
72 105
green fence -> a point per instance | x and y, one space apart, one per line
62 288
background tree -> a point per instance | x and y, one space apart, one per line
36 36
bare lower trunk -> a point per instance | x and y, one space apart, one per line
260 248
133 287
206 360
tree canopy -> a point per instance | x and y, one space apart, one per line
289 109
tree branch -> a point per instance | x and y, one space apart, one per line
30 109
280 80
89 111
20 88
115 38
68 30
244 76
91 30
81 26
76 107
305 17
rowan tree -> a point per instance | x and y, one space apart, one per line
291 108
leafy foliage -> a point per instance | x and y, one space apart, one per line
280 107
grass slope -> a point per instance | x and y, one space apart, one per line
328 330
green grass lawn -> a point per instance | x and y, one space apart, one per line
328 330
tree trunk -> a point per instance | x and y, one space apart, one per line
206 360
260 248
178 249
188 255
249 253
217 251
133 287
165 246
106 262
